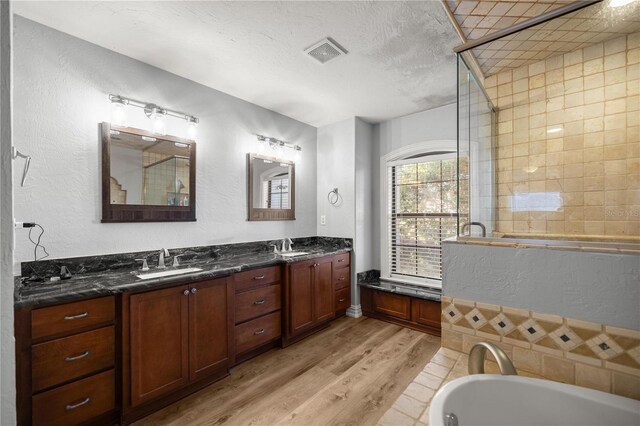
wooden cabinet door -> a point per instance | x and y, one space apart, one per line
323 293
426 312
301 295
209 305
159 343
395 305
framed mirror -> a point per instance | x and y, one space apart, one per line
271 188
147 177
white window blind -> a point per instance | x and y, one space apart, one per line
276 191
422 213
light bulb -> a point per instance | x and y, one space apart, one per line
118 114
157 122
192 129
298 154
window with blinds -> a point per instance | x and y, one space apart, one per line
422 203
276 193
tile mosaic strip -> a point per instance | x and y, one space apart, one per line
554 347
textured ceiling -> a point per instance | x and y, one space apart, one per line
400 57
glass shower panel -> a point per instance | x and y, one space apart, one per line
476 118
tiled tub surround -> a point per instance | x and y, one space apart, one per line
577 352
569 126
108 274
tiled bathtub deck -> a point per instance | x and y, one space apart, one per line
412 407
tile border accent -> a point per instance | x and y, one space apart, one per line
553 347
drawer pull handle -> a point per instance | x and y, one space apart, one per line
72 317
315 265
259 302
260 331
77 357
341 300
79 404
340 260
259 277
341 279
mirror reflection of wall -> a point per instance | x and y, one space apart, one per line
148 171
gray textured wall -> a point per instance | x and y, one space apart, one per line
598 287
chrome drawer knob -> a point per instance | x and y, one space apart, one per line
260 331
194 290
186 292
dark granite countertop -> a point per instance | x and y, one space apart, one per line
119 279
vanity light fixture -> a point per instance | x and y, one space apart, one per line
283 149
155 113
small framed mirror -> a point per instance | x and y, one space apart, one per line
271 188
147 177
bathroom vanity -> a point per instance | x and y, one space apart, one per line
122 347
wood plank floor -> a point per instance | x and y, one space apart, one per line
347 374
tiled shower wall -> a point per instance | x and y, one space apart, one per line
568 144
567 350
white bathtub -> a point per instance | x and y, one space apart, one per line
488 399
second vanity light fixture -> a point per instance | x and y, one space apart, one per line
279 146
155 113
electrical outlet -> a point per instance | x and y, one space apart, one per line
323 220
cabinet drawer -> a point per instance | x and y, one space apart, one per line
76 402
394 305
61 360
253 303
342 278
343 299
341 260
256 277
254 333
70 317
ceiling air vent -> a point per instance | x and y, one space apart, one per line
325 50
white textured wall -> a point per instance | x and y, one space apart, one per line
364 196
7 342
336 163
603 288
388 136
61 87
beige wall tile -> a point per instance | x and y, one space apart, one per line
593 377
626 385
558 369
528 360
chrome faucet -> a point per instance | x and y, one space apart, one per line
468 224
163 252
290 243
477 354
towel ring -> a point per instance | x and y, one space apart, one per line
334 198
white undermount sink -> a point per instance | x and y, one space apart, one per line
168 273
293 253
